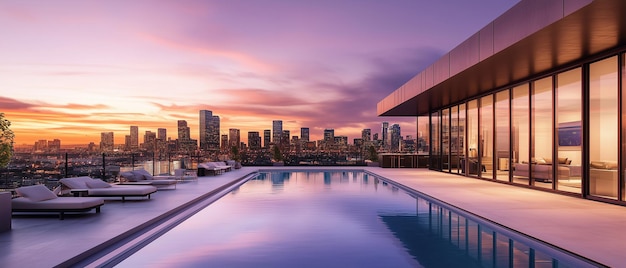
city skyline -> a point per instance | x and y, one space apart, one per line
114 139
71 70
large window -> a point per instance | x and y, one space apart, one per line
520 132
485 148
445 139
603 128
623 126
502 136
541 139
569 129
435 146
461 142
423 137
471 165
455 141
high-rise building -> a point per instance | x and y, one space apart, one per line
162 134
385 134
304 134
224 142
234 138
209 130
54 145
395 137
267 134
277 128
41 145
366 135
284 139
134 137
106 141
329 135
184 132
127 142
185 143
149 140
254 140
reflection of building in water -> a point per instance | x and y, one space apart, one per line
439 237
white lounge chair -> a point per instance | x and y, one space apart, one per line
213 168
142 177
184 174
38 198
223 165
96 187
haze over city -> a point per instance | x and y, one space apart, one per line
70 70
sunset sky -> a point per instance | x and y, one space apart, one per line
70 70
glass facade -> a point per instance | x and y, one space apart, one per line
603 130
562 132
502 135
569 129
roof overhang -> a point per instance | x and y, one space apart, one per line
581 30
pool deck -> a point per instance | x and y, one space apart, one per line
589 228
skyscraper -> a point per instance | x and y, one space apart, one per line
134 137
284 139
224 143
385 134
209 130
162 134
277 128
366 135
395 137
106 141
254 140
234 138
304 134
149 140
185 143
329 135
183 130
267 134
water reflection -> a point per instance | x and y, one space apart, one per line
324 219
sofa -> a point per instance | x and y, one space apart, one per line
542 169
603 178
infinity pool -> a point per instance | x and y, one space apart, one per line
338 219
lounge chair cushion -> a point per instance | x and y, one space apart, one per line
94 184
142 174
123 190
76 183
22 203
36 193
130 176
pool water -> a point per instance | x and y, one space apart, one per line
332 219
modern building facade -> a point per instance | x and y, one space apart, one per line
277 131
209 131
134 137
234 137
304 134
267 134
254 140
106 141
536 98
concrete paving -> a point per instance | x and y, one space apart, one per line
588 228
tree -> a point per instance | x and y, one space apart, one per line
278 156
234 153
6 141
373 155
